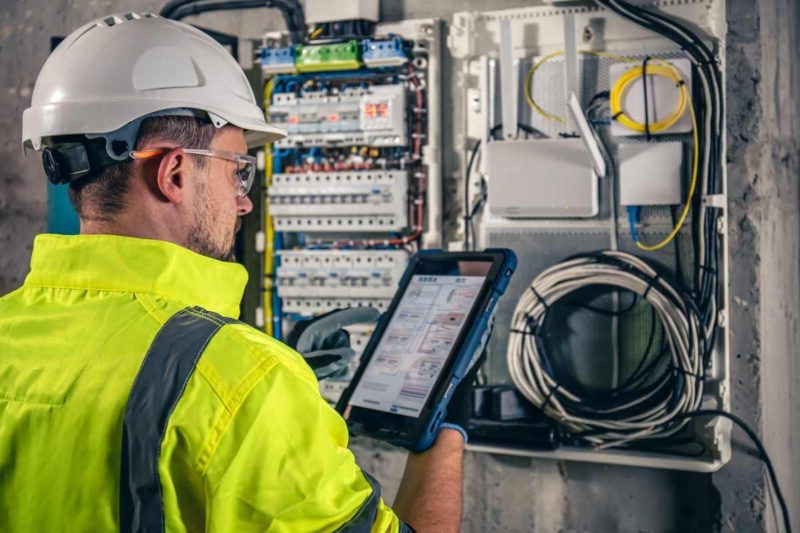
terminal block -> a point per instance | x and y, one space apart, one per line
373 116
278 60
315 281
340 202
325 57
385 53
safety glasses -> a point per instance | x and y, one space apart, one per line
245 164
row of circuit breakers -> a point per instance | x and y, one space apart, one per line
340 190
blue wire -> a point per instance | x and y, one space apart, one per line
633 219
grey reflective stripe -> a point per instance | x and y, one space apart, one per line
158 387
405 528
362 521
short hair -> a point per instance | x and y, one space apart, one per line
103 196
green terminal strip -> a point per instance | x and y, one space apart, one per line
339 56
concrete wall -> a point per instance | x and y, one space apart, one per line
764 164
516 494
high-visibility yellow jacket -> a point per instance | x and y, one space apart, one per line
249 446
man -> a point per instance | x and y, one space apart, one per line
130 398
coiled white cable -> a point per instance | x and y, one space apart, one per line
647 416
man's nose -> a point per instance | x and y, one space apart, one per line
243 206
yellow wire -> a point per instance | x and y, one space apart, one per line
623 85
548 57
692 185
269 229
660 68
315 33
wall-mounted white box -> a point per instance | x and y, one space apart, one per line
541 178
650 173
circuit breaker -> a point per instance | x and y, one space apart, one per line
368 201
355 187
313 281
373 116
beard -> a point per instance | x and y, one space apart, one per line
201 238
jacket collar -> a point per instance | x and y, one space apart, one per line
126 264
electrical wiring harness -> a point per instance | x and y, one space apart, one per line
658 406
708 132
646 405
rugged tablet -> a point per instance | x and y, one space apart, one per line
436 326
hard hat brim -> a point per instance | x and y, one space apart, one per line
259 137
98 117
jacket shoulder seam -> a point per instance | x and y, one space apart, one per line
265 363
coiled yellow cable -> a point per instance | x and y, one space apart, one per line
623 85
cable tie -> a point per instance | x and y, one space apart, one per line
680 84
616 115
685 372
549 397
539 296
708 269
713 62
646 100
650 285
533 326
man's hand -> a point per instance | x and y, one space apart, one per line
459 410
430 497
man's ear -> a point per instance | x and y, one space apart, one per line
171 176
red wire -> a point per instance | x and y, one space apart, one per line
420 199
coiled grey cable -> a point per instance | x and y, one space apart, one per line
655 413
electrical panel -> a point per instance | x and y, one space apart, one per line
530 181
313 281
583 139
358 201
355 188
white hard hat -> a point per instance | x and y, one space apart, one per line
121 68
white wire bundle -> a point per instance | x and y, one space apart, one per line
617 424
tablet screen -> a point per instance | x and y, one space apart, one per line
417 342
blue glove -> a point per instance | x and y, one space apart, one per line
324 343
459 409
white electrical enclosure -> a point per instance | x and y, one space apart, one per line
537 42
312 281
541 178
324 202
320 11
650 173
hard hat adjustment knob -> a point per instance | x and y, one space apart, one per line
55 166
